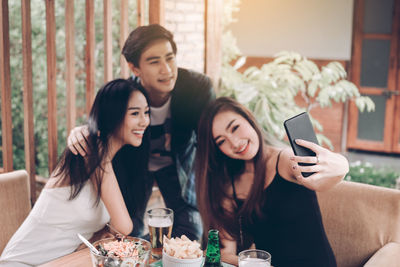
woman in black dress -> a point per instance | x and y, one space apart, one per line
252 189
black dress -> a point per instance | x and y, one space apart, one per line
291 227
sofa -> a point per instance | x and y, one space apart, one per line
362 223
15 203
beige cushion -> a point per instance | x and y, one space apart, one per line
15 203
359 220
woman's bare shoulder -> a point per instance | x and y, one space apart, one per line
278 159
57 179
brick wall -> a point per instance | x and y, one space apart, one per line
185 18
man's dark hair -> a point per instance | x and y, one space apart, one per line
143 36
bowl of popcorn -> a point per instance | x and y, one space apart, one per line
125 252
181 252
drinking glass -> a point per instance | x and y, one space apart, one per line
160 221
254 258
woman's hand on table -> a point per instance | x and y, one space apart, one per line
330 168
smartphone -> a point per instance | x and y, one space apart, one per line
300 127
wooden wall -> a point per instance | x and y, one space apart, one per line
203 17
155 16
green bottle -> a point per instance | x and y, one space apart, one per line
213 254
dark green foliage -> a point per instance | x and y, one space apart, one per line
365 172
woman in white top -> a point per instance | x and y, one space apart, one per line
82 194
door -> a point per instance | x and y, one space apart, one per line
375 69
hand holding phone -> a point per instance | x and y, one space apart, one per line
300 127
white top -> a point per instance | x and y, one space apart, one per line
50 231
158 115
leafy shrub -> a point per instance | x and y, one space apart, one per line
39 67
365 172
270 91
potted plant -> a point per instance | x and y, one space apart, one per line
270 91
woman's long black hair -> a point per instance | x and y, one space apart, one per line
105 119
214 171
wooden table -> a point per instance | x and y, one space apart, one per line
82 258
79 258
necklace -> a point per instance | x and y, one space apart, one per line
241 231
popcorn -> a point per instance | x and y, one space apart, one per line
182 248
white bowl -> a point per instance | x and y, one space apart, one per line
169 261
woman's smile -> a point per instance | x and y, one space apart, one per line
138 133
243 148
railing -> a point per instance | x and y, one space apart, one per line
155 16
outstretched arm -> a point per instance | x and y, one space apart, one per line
228 250
229 244
77 140
112 198
330 168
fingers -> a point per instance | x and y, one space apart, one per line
71 141
314 147
297 169
297 172
309 159
329 168
77 140
85 131
312 168
80 145
71 146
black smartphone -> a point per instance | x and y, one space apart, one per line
300 127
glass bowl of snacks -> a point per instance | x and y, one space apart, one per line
181 252
124 252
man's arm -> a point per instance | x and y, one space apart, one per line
77 140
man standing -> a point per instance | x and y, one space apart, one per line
177 98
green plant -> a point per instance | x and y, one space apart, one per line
39 65
365 172
269 91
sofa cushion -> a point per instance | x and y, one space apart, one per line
359 219
15 203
